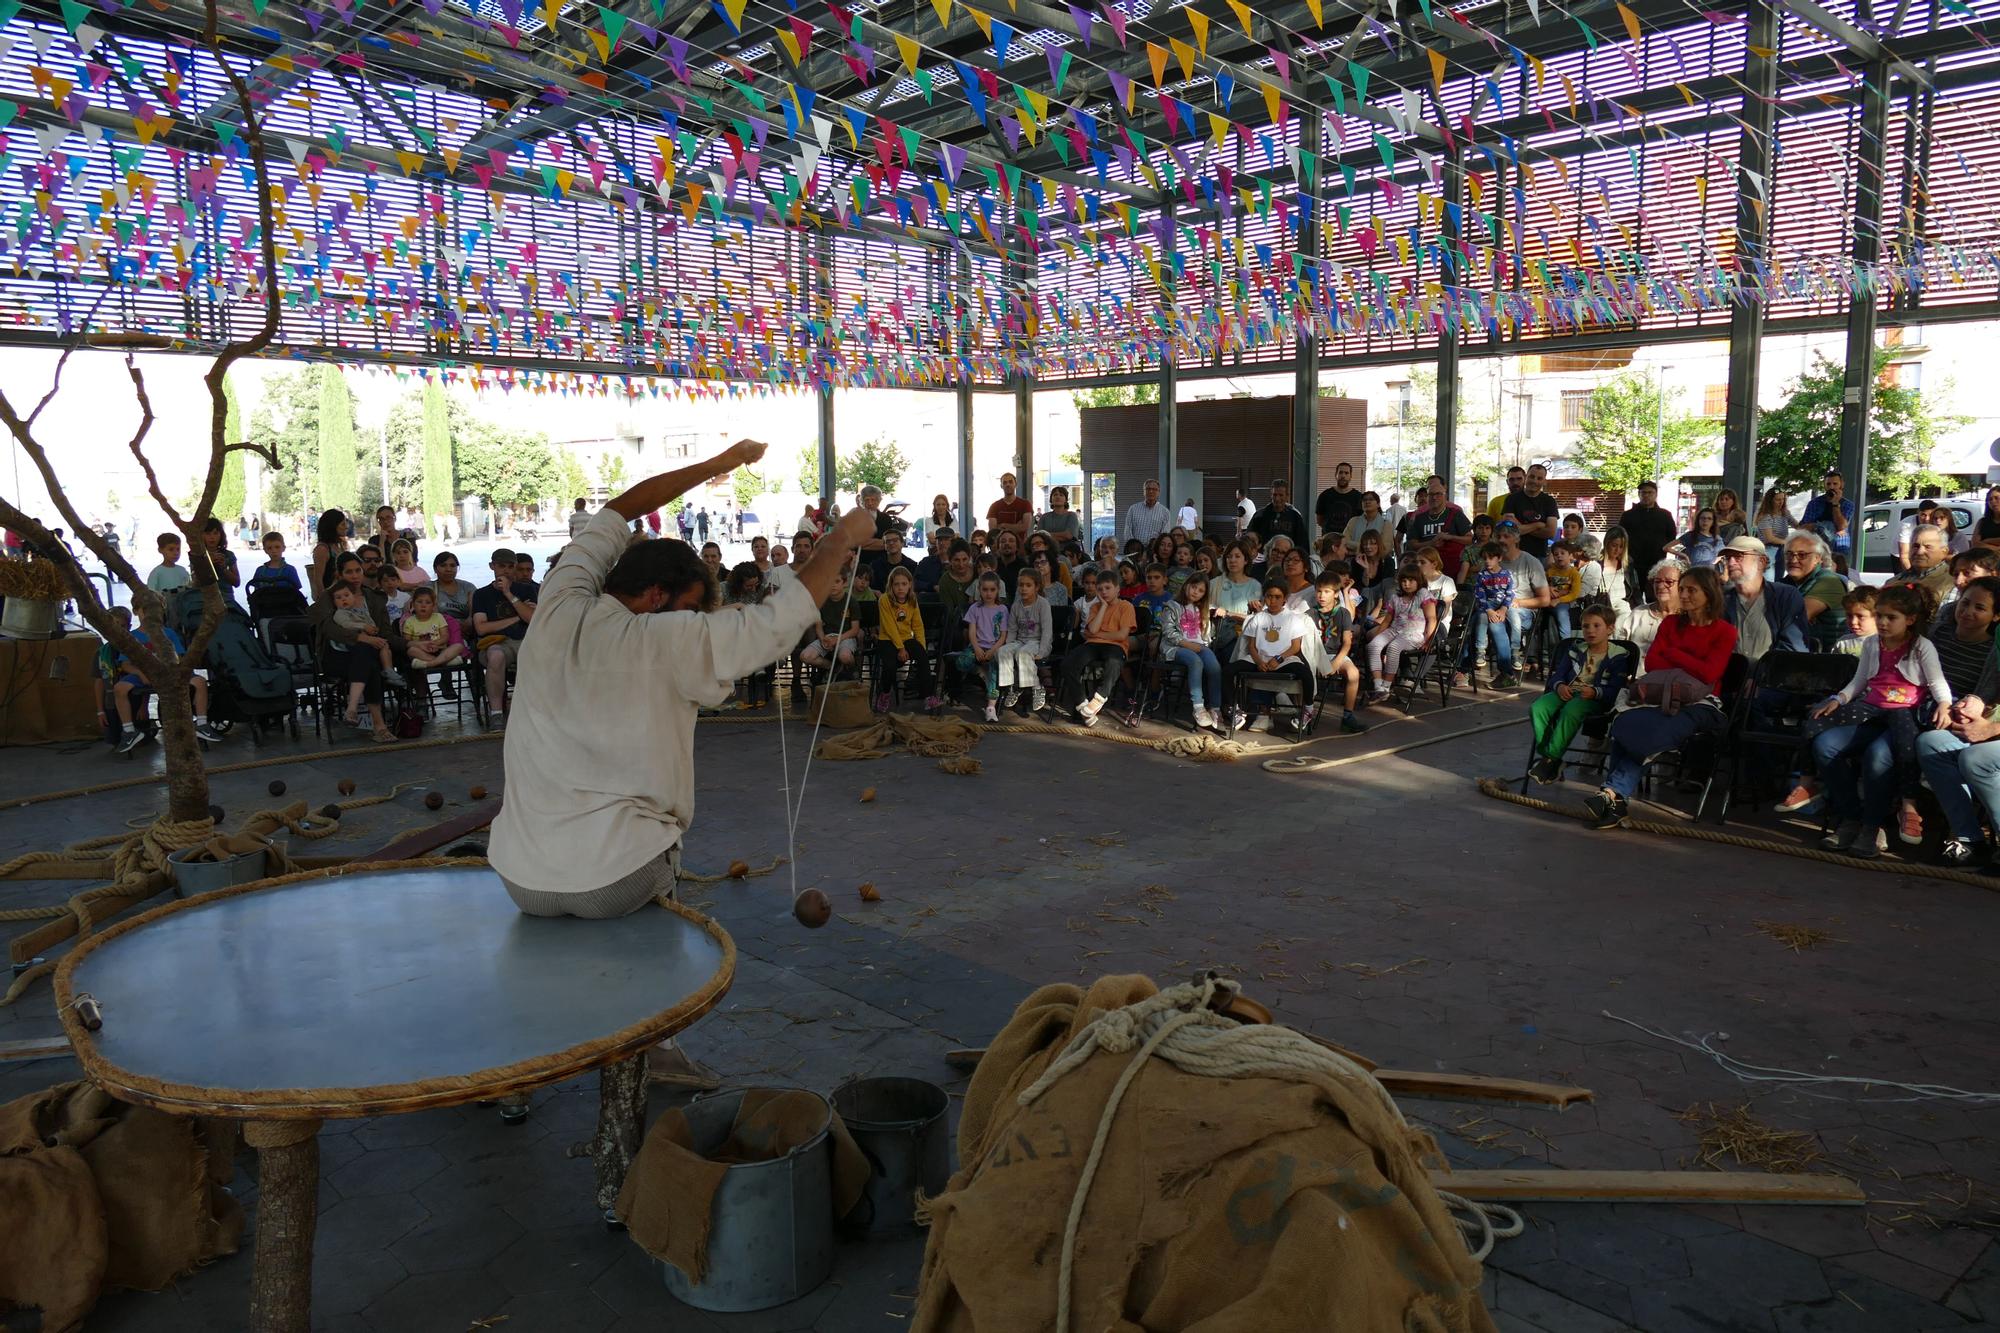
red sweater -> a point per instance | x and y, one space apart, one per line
1700 650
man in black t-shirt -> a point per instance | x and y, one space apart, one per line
1338 503
1649 529
1536 511
1280 518
503 607
1437 522
892 557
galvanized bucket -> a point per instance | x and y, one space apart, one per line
770 1236
193 877
900 1124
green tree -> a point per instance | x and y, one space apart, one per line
339 474
613 472
877 462
440 478
570 480
293 398
510 468
1798 442
809 471
1629 435
746 486
1412 455
230 499
1116 395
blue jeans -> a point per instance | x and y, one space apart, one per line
1500 636
1204 674
1640 733
1858 768
1561 613
1964 778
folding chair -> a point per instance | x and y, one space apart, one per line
1705 752
1783 688
1591 735
289 639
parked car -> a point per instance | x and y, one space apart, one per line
1882 525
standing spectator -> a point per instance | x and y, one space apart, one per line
329 546
1831 515
1188 520
653 524
870 499
1730 520
684 520
1280 519
1245 511
579 519
1648 527
1339 504
1148 519
500 615
215 550
1517 481
1396 510
169 574
1439 523
1060 521
1773 523
1985 533
1536 511
701 523
940 518
1009 513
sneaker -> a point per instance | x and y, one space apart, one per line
1307 716
1867 844
882 701
1910 825
1848 831
1203 718
992 713
932 703
1607 810
1378 694
1010 698
131 741
1085 719
1802 795
1238 719
1351 724
497 722
395 678
1509 681
1546 770
1959 851
203 731
1038 702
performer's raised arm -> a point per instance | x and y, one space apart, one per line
657 492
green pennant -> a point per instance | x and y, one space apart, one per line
912 141
1347 174
1386 149
1061 142
1358 73
1062 72
923 78
74 15
1333 85
1308 167
614 24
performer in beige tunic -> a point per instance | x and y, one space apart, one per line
627 642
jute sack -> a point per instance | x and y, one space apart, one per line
1255 1204
846 704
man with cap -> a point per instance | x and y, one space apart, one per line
1768 616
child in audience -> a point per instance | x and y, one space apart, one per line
863 575
1565 586
350 612
394 592
1086 588
1586 679
1031 634
1155 597
1179 569
1896 675
1335 622
1130 584
1274 643
169 574
986 624
899 641
429 633
1406 619
276 572
1493 615
1108 622
1187 636
839 631
1860 607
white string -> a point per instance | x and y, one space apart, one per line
784 751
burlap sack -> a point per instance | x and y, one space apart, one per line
668 1197
845 704
1249 1204
98 1193
931 737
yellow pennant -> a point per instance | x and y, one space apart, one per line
1631 23
1218 128
1437 67
943 8
1198 22
1242 12
1156 56
1184 54
984 21
409 162
1318 20
451 156
1271 101
603 44
1541 75
907 48
786 40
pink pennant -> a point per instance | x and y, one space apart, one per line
1116 18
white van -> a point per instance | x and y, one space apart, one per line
1882 526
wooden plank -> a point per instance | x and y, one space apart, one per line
1649 1187
40 1048
424 841
1478 1088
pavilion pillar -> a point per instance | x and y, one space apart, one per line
1170 372
1023 387
963 394
1451 273
1858 381
1305 338
829 468
1753 239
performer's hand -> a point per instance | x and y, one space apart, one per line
745 452
856 526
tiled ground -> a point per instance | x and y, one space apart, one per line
1385 904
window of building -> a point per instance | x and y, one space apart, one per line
1905 375
1575 403
1715 401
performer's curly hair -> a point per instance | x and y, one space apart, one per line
663 563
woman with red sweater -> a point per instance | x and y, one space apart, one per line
1698 641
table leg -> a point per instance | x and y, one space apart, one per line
621 1123
287 1214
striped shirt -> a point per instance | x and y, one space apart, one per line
1962 661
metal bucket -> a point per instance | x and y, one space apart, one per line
900 1124
770 1236
193 877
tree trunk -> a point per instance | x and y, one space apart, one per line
187 777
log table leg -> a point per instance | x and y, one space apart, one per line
621 1123
287 1214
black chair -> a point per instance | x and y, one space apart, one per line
1706 753
1592 734
289 639
1769 715
1436 664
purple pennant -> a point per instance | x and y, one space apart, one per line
1119 83
511 11
313 19
677 50
647 31
951 159
1012 129
1082 17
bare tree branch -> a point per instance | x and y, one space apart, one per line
55 381
113 559
267 452
192 536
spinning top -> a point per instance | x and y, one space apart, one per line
434 801
811 909
867 795
329 811
738 869
345 786
870 894
276 788
478 793
215 812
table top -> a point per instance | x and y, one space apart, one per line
361 991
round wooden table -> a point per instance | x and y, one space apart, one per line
375 990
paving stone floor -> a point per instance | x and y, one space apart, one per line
1384 904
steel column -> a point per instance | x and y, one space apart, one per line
1024 390
1753 239
1170 372
829 466
1858 384
1451 272
1305 380
963 285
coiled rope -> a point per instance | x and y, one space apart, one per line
1499 790
1180 1026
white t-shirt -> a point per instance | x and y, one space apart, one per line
1269 634
578 521
1445 591
1189 518
1245 511
600 740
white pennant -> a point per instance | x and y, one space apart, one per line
88 37
822 130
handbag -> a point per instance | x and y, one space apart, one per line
409 724
1670 689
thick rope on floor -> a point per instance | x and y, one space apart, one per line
1181 1026
1500 790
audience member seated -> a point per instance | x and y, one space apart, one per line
1272 643
1930 562
403 556
1404 623
839 636
1187 636
125 677
1663 600
986 634
1977 563
1108 623
434 638
1809 569
169 574
274 588
454 594
501 612
1332 617
1565 587
1768 616
358 655
954 586
1589 674
1031 637
1690 653
1493 619
1961 763
900 642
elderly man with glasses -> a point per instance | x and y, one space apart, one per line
1930 562
1809 568
1768 616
